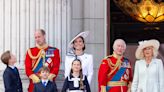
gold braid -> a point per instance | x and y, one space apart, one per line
113 66
39 55
34 57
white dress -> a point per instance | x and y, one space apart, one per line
148 78
87 65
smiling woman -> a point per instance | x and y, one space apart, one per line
148 52
76 81
149 72
76 51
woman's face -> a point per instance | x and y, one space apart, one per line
78 44
76 66
148 51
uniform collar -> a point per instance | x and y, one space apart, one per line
42 47
117 56
11 66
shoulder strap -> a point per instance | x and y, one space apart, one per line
33 57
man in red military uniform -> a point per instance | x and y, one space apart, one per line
115 72
39 56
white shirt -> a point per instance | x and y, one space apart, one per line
148 78
11 66
87 65
75 80
44 81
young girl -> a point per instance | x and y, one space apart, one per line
76 81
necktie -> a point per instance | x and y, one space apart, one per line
44 83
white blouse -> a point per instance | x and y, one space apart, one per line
148 78
87 65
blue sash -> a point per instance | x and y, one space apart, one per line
49 53
40 65
119 73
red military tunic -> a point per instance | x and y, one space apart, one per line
32 57
108 68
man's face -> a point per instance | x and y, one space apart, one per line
119 48
39 38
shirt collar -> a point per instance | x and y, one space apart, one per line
117 56
45 81
11 66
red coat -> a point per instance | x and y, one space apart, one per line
107 71
33 54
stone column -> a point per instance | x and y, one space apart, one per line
20 18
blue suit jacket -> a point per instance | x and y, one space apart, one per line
12 81
50 87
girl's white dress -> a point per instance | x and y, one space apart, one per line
87 65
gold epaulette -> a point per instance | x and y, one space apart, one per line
106 58
34 57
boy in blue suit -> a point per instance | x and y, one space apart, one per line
45 85
12 81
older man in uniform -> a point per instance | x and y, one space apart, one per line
39 56
115 73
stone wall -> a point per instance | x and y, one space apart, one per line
88 15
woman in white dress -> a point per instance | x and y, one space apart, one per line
149 72
76 51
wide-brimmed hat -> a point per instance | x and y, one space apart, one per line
82 34
147 43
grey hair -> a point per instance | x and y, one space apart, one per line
119 40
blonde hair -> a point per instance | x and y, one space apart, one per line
147 43
155 53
